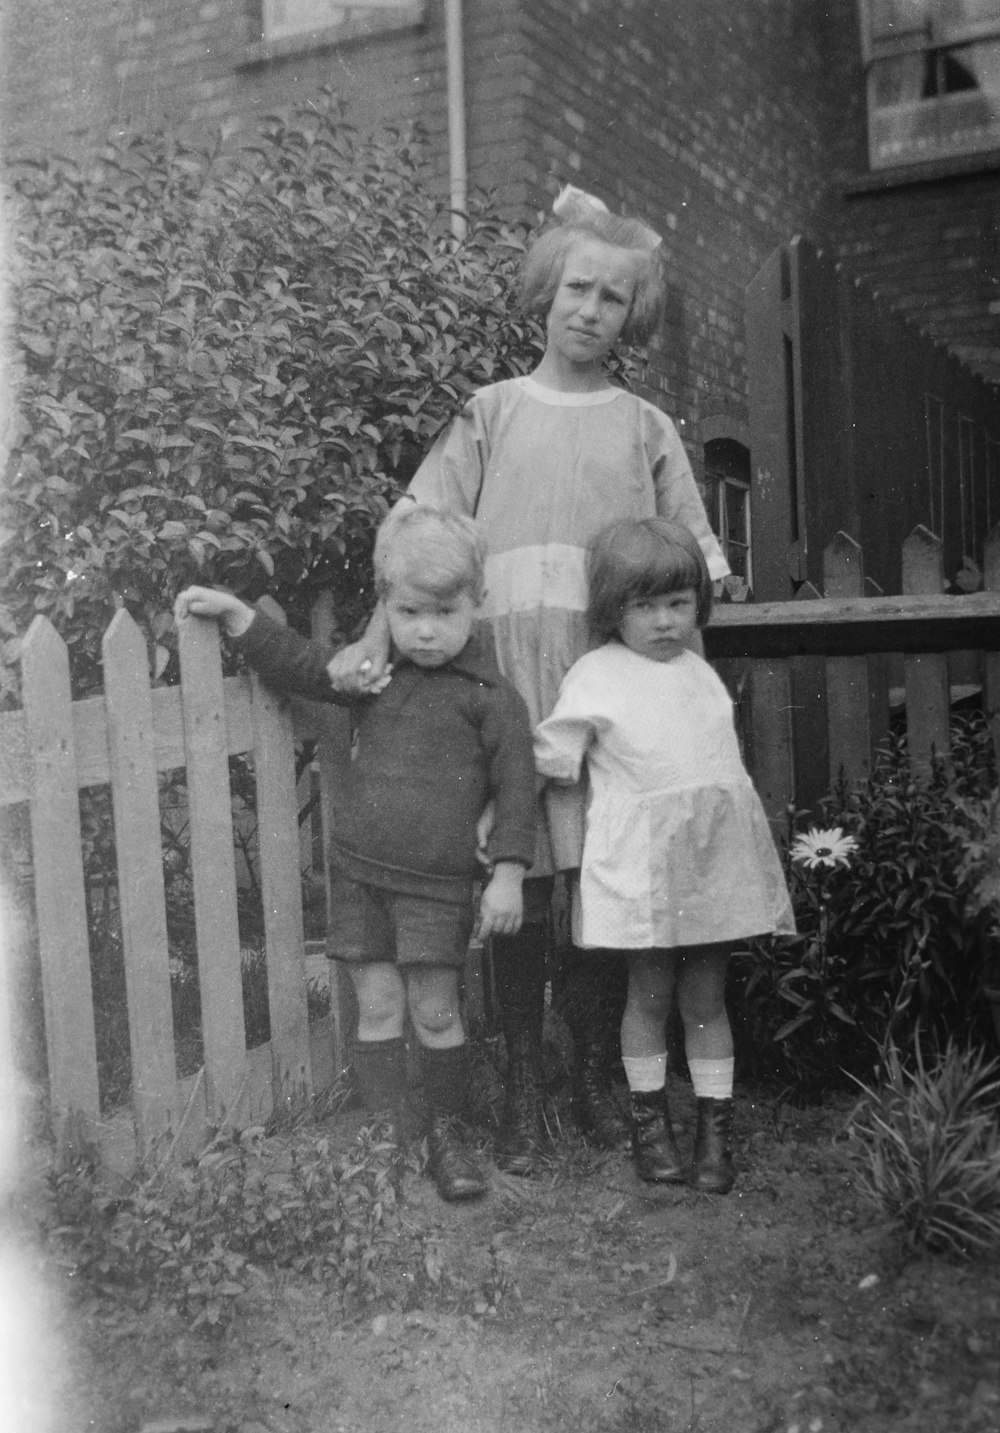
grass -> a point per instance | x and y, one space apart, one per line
927 1141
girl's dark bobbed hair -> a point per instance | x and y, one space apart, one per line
546 258
643 558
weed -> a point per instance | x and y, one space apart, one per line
927 1142
189 1237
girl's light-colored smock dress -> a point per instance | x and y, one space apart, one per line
678 850
543 472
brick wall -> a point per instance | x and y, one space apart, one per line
698 114
722 124
701 117
927 241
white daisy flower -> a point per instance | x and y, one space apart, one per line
823 848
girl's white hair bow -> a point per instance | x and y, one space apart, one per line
572 204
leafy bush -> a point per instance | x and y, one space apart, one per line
228 360
188 1238
927 1141
888 941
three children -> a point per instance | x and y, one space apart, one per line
677 859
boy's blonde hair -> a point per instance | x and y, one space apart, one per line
546 258
643 558
437 551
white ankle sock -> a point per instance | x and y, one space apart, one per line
712 1079
645 1073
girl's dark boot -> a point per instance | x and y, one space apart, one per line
519 979
657 1158
446 1080
712 1169
380 1070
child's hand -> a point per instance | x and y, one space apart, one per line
501 907
354 672
233 616
484 829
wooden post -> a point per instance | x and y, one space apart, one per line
925 676
878 684
213 867
771 739
991 672
333 756
281 887
808 724
60 900
848 700
140 879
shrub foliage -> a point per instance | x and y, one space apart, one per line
228 359
890 944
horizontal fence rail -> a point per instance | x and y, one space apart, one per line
813 679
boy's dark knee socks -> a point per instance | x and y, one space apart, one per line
380 1070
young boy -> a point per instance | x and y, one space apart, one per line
445 736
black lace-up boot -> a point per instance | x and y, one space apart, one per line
452 1165
657 1158
712 1169
595 1108
591 1000
519 977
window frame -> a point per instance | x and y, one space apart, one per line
724 449
934 36
361 20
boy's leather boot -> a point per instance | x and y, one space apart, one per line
380 1070
712 1169
519 978
657 1158
446 1080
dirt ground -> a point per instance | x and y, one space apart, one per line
579 1302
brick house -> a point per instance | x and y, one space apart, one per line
870 127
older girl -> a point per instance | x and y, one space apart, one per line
678 859
543 462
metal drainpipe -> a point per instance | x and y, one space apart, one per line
457 160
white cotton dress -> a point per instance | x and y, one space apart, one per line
677 850
542 472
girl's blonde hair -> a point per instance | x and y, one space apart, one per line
437 551
546 258
643 558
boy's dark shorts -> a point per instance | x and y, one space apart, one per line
369 925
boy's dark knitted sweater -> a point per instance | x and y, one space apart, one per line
428 753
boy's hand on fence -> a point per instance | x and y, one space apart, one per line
233 616
501 906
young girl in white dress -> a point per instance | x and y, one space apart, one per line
678 861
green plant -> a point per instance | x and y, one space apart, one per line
186 1238
228 359
977 830
887 940
927 1141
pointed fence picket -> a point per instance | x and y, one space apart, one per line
812 691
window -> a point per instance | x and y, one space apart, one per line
933 78
727 479
300 22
